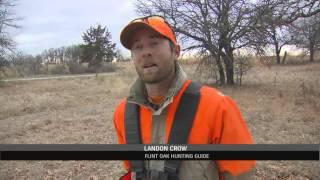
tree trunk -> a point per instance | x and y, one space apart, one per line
284 57
229 72
241 72
278 57
276 45
222 78
277 50
221 71
228 60
311 49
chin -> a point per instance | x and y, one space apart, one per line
150 81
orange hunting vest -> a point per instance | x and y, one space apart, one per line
217 121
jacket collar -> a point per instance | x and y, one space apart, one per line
138 93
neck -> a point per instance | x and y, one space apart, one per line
161 88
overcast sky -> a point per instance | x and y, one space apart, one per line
56 23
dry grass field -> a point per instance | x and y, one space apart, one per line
280 104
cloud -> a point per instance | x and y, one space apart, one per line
51 24
34 38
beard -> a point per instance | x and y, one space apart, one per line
161 74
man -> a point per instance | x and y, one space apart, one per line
158 93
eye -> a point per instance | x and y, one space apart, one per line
137 47
154 43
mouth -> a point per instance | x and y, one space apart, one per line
149 66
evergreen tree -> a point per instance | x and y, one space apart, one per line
97 46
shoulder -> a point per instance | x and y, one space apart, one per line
121 103
211 93
207 94
214 96
120 107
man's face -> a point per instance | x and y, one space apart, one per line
152 56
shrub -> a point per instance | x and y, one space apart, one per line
104 67
108 67
242 64
59 69
76 68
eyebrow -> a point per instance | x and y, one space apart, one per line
153 36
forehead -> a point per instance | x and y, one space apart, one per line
144 33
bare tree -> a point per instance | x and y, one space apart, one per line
72 59
59 54
289 11
218 27
25 64
276 17
72 53
3 63
7 20
242 65
69 55
51 55
306 34
222 26
274 33
279 37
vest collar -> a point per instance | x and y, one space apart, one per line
138 93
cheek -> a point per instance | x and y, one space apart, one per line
135 60
135 63
135 55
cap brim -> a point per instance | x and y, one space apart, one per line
129 30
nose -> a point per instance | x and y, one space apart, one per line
146 52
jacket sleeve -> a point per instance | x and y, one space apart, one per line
233 130
118 121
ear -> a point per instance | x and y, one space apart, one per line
177 51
